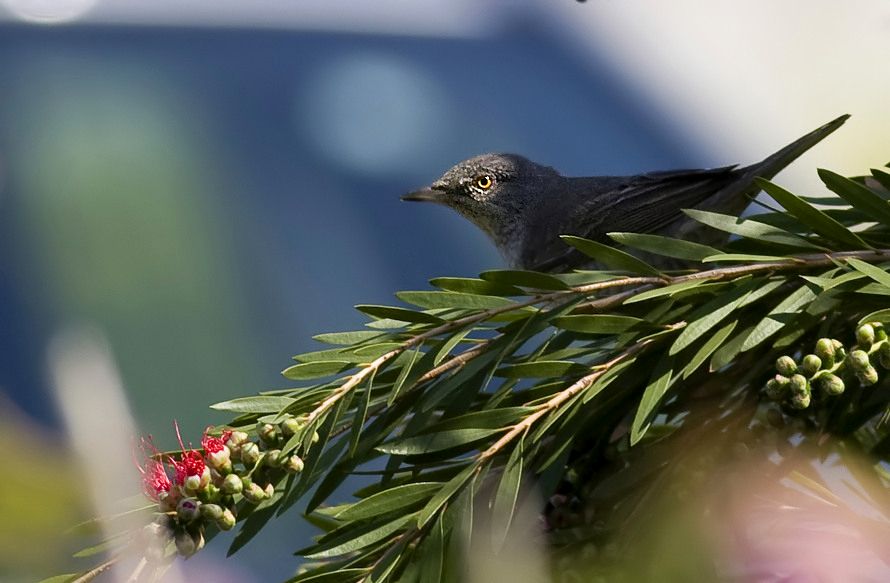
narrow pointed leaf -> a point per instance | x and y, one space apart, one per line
746 258
506 497
749 228
778 317
258 404
708 348
441 497
531 279
389 500
398 314
882 316
665 246
658 386
540 369
446 299
858 195
882 176
421 444
314 370
609 256
449 345
362 540
711 314
348 338
466 285
811 216
432 554
597 323
872 271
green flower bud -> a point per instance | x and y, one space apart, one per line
858 359
884 355
880 332
840 353
269 490
294 464
232 484
226 521
775 390
290 426
253 493
250 454
801 400
272 458
810 365
211 511
831 384
268 433
799 385
868 376
210 494
865 336
786 366
185 544
236 439
825 351
188 509
315 437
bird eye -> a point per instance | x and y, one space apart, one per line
484 182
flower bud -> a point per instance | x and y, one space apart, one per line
185 544
210 494
226 521
786 366
774 390
211 511
272 458
268 433
188 509
253 493
315 437
294 464
269 490
290 426
250 454
884 355
800 400
867 376
194 483
880 332
865 336
232 484
799 385
840 353
236 439
858 359
810 365
831 384
825 351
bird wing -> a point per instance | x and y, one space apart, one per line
645 203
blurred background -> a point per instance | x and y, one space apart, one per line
189 191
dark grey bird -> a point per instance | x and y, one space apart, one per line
524 206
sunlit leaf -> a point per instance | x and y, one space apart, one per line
609 256
666 246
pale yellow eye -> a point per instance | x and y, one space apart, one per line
484 182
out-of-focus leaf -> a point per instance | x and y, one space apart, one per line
882 176
666 246
314 370
431 442
859 196
597 323
432 554
506 497
541 368
609 256
389 500
467 285
398 314
258 404
530 279
811 216
447 299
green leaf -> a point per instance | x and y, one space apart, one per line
389 500
858 195
362 540
403 375
541 368
778 317
746 258
449 345
347 338
882 176
252 526
530 279
708 348
432 554
597 324
751 229
811 216
872 271
487 419
258 404
398 314
609 256
467 285
338 576
506 497
666 291
447 299
442 497
665 246
711 314
314 370
439 441
658 386
882 316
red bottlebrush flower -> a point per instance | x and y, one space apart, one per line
191 473
156 484
216 450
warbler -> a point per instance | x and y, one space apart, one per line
524 206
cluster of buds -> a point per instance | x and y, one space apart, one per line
825 368
198 488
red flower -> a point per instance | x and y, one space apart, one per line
156 483
190 468
216 450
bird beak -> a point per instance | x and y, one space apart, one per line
428 194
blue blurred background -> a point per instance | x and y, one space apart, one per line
209 195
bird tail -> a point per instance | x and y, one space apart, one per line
735 197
